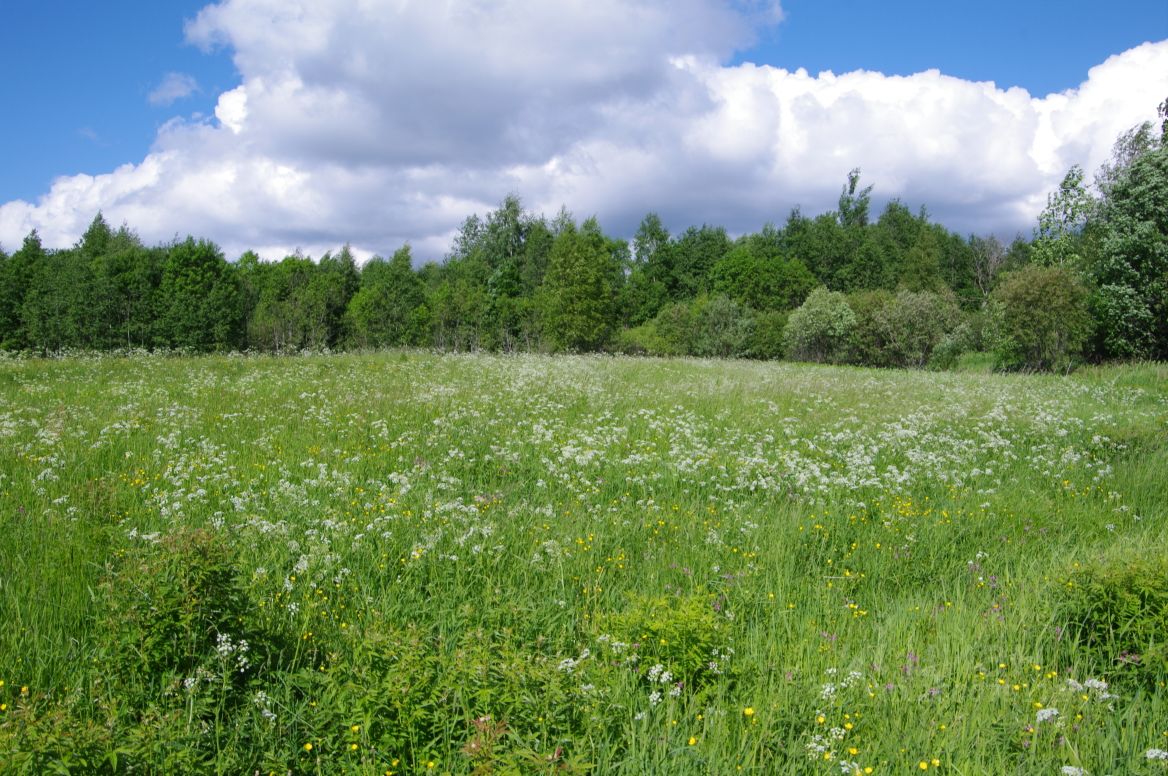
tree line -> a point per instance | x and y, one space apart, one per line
844 286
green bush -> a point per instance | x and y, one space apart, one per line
819 330
766 337
722 327
684 634
867 346
914 324
643 340
167 610
1116 607
1039 320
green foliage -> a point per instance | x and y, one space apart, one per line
766 338
912 325
1132 269
168 609
577 294
1058 240
644 340
1115 607
722 328
1039 320
819 330
867 345
390 308
761 281
685 633
200 299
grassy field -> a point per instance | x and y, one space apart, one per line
408 563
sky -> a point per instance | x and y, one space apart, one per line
276 125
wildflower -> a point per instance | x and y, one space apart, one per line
748 711
1071 770
308 747
1045 715
1156 754
692 740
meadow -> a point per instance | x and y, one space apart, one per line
403 563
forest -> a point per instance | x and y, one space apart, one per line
893 289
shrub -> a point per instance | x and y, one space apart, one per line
867 346
913 324
766 336
819 330
721 327
684 634
643 340
1039 320
1117 608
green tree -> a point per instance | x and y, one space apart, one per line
854 202
759 281
693 255
577 297
1060 239
201 302
15 278
390 308
1131 271
55 312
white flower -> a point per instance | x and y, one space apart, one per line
1045 715
1071 770
1156 754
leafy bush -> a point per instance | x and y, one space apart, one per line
683 633
170 610
643 340
819 330
1117 608
766 336
867 345
914 324
1039 320
721 327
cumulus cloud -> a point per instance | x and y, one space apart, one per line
174 87
379 121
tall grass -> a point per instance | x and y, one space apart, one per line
411 563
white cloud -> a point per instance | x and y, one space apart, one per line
174 87
381 121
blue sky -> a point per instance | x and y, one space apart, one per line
433 118
1036 44
80 74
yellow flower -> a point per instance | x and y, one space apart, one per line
308 747
748 711
924 766
353 747
692 740
936 763
356 728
